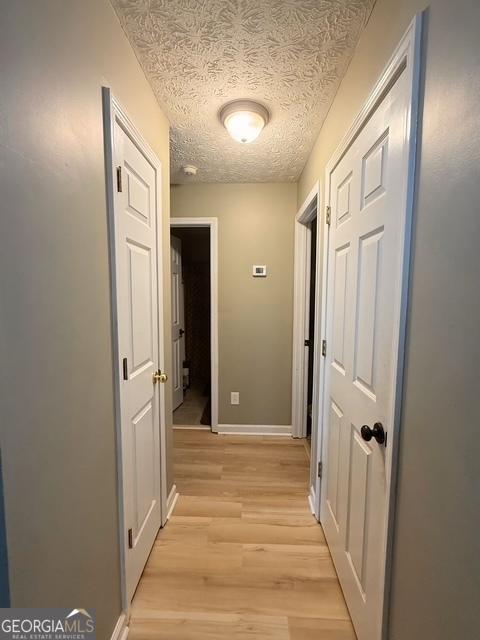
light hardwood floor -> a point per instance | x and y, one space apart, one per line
241 557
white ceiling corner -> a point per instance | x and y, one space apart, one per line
290 55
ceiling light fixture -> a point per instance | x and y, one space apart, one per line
244 119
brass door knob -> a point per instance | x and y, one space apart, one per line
158 376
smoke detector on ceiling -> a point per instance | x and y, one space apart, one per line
190 170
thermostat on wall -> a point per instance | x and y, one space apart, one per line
259 270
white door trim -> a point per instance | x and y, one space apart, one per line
212 224
301 299
172 500
305 215
406 60
121 628
256 429
113 112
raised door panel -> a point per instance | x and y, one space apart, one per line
143 466
343 201
359 474
341 274
141 307
177 366
366 329
334 449
138 196
175 299
374 170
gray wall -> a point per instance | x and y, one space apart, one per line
56 398
436 570
436 585
255 226
4 582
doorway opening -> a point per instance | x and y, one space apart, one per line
190 250
311 330
194 262
306 349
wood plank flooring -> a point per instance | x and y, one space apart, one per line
241 558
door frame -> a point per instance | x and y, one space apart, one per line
181 337
212 224
310 209
113 112
405 60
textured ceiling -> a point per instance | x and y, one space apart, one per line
199 54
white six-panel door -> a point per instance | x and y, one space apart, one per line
178 322
138 307
365 258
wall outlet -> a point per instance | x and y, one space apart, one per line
234 397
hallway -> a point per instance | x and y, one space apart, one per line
192 410
241 536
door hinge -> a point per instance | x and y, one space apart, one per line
119 179
125 369
130 539
307 343
328 214
320 469
324 348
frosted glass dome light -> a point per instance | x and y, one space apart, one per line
244 119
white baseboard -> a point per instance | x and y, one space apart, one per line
255 429
191 427
121 629
172 500
311 500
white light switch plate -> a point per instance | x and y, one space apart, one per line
235 397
